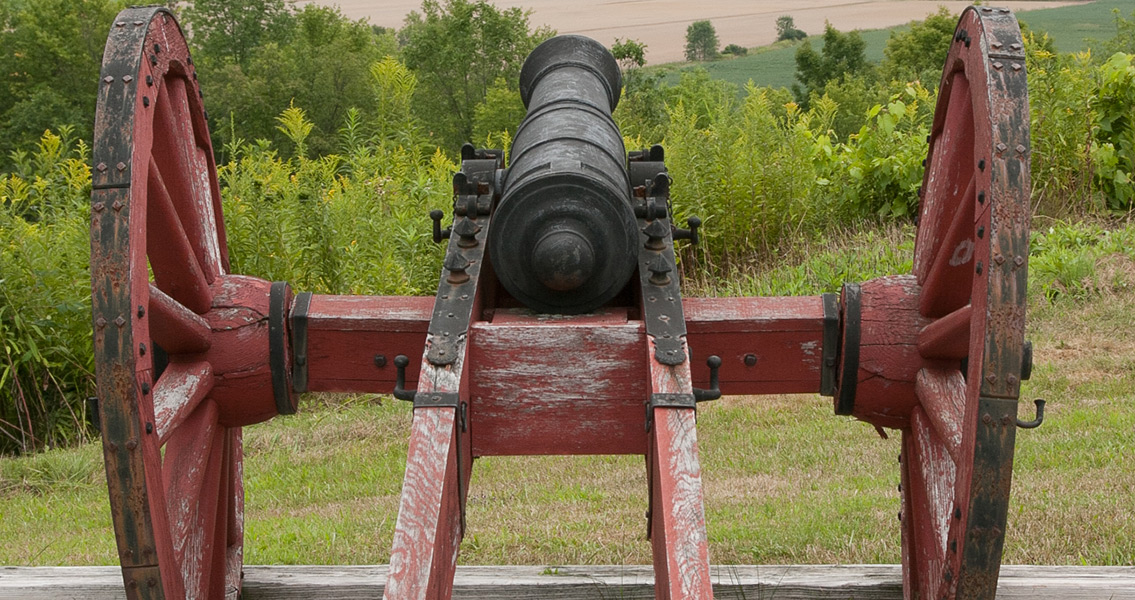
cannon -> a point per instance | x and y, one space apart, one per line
188 354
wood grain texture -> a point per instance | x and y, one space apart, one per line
573 385
677 507
595 582
346 333
784 335
427 533
888 357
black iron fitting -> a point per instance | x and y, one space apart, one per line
279 296
714 390
662 299
457 291
848 376
1039 417
830 350
300 307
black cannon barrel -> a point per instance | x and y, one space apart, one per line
564 237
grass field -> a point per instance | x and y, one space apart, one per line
1072 28
785 480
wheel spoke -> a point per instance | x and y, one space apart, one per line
174 327
948 337
950 164
932 474
177 395
949 282
182 163
192 476
177 271
942 393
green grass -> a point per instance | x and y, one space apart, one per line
1072 28
785 480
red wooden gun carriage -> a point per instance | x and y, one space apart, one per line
558 326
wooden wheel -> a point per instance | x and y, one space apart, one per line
181 347
970 261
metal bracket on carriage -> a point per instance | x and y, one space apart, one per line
298 322
713 392
662 298
474 191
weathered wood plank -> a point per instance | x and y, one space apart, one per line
787 582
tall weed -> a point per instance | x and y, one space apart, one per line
45 322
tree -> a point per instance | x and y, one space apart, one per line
321 61
921 49
231 30
786 29
842 53
49 66
631 54
701 41
457 49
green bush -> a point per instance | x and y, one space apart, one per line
1114 132
45 311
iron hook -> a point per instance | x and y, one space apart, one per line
400 391
1035 422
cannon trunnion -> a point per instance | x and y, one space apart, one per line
571 246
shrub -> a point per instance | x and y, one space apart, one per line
786 29
735 50
45 312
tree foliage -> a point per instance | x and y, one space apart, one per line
231 30
786 29
631 54
321 62
842 53
920 52
50 53
701 41
458 48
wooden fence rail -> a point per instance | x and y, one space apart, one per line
791 582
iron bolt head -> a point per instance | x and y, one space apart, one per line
750 360
132 444
120 321
101 167
998 65
121 166
1019 261
128 78
991 378
1016 66
98 206
100 322
1021 148
108 79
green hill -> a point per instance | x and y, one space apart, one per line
1072 28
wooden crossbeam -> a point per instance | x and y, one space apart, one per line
784 582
